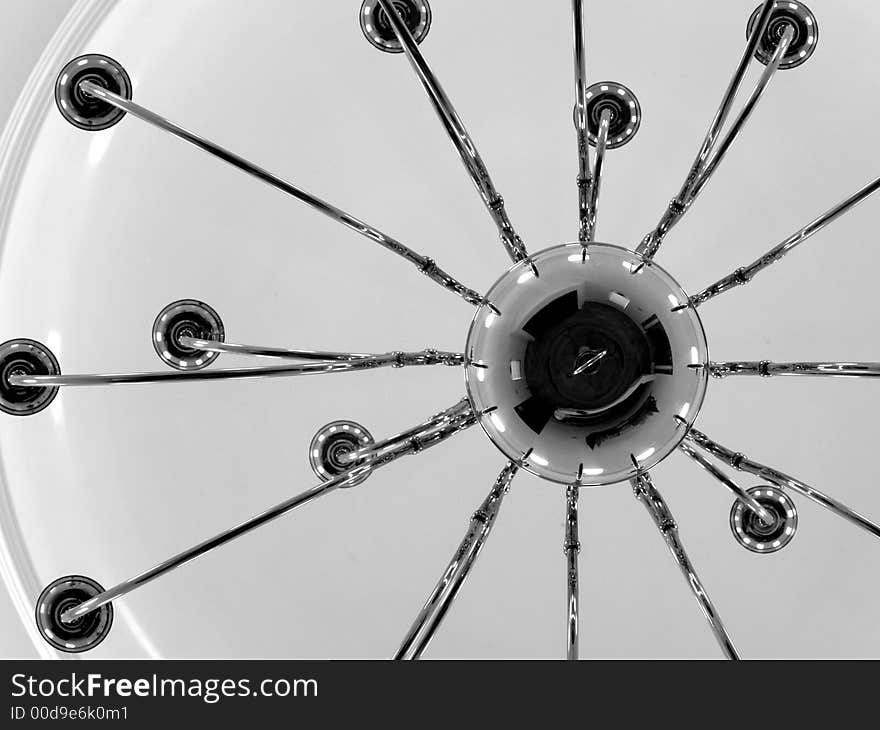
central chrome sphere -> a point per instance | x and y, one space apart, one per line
586 364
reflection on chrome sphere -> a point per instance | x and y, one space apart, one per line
586 365
81 634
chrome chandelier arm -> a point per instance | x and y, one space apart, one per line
423 628
647 494
741 494
742 463
463 418
585 173
595 186
745 274
766 369
426 265
396 358
739 123
572 548
259 351
457 132
461 412
676 209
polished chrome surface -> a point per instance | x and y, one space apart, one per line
83 110
744 275
676 209
377 27
272 352
450 417
760 537
397 358
175 328
626 113
492 505
463 142
332 444
23 357
647 494
428 619
741 494
738 124
572 547
79 635
787 14
743 463
392 360
595 187
766 369
457 418
585 174
426 265
583 301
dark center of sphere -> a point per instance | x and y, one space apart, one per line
767 532
621 114
79 627
406 10
86 104
185 324
23 364
334 451
553 366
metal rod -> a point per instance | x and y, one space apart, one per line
259 351
478 526
766 369
446 601
439 420
463 420
585 175
398 358
457 132
745 274
652 242
741 494
601 146
572 547
426 265
394 359
742 463
647 494
742 119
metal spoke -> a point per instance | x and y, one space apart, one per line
601 146
459 135
652 242
426 265
766 368
394 359
572 547
742 463
397 358
585 175
739 123
745 274
428 620
259 351
456 418
741 494
647 494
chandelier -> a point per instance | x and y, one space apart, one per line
585 364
